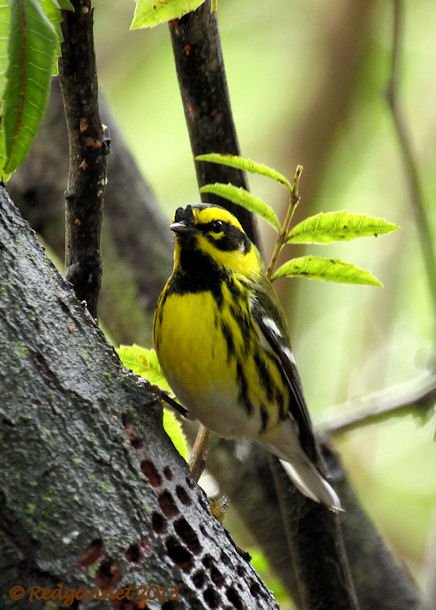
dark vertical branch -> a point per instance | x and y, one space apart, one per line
205 96
408 159
88 149
380 579
319 559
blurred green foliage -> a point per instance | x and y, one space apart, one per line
349 340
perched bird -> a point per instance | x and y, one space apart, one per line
222 341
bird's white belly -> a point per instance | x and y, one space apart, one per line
217 408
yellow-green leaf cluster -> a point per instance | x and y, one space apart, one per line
328 269
149 13
323 228
330 227
144 362
242 197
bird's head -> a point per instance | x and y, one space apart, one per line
204 230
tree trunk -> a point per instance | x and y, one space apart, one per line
93 494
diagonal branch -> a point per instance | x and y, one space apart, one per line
89 146
383 405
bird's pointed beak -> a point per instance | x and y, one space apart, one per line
181 228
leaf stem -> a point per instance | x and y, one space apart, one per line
294 200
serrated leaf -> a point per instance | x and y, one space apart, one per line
149 13
32 46
245 199
51 9
144 362
329 227
328 269
245 165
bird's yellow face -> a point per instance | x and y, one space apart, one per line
212 231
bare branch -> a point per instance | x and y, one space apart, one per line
89 146
319 557
381 406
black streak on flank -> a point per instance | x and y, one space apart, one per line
243 389
229 340
264 417
278 395
264 375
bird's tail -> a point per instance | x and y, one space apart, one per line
312 484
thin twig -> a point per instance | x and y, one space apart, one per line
409 161
89 146
171 402
381 406
294 200
197 460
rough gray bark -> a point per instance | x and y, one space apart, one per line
92 492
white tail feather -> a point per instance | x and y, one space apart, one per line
311 484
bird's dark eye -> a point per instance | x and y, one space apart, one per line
217 226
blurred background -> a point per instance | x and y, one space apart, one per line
307 83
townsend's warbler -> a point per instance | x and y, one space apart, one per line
222 341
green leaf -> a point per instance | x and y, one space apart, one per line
174 429
65 4
149 13
328 227
144 362
245 199
52 11
246 165
330 270
4 35
32 46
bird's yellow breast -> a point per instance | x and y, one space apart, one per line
193 354
186 339
212 357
